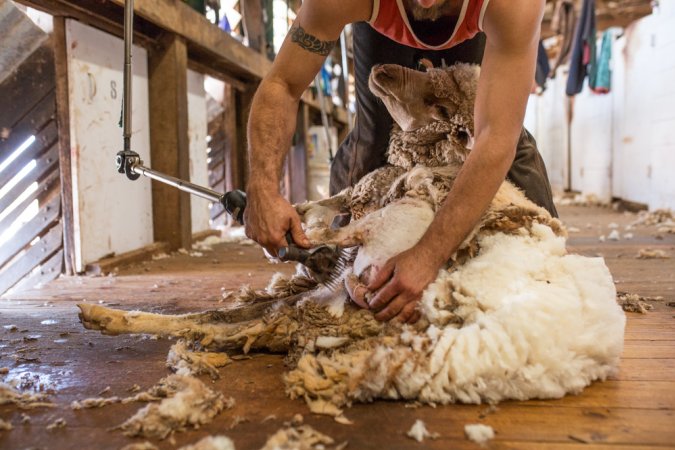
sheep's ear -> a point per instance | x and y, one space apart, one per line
427 64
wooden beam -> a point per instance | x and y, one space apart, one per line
106 265
204 40
169 140
63 126
100 14
210 49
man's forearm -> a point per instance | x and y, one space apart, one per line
476 185
271 126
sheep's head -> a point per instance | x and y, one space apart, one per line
431 106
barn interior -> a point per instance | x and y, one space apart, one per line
74 230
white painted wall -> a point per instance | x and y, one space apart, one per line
622 144
112 213
546 119
197 130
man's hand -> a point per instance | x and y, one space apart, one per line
400 283
268 217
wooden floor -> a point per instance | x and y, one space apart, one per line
50 350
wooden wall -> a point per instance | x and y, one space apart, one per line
31 205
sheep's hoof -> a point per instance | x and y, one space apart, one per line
94 317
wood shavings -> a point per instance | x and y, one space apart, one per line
647 253
419 432
211 443
479 433
269 418
303 437
57 424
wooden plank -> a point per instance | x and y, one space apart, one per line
169 140
35 227
206 43
33 151
19 268
233 175
518 422
648 349
107 265
34 121
652 369
48 189
44 165
49 270
100 14
31 82
617 394
524 445
63 121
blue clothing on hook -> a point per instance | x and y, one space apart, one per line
600 79
582 60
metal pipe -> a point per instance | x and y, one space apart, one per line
345 77
185 186
128 39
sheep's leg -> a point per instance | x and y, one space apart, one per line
245 328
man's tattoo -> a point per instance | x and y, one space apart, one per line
309 42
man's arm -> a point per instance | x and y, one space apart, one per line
512 29
273 114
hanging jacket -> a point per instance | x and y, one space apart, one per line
391 19
583 50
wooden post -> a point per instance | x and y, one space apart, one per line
169 140
63 123
254 27
243 107
298 158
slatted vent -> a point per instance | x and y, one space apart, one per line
31 234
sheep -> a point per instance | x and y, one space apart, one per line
511 316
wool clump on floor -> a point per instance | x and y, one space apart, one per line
479 433
187 402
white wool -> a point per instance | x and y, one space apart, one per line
419 432
614 235
479 433
326 342
211 443
528 321
391 230
546 321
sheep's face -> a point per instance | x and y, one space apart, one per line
416 99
